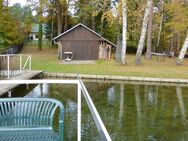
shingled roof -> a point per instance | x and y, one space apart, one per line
80 24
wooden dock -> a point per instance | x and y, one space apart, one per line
24 76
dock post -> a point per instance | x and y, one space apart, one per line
30 62
8 66
20 64
9 93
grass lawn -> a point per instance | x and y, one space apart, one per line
47 60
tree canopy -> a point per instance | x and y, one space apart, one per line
168 26
15 24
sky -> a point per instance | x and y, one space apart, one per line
22 2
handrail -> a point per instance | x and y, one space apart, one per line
97 119
28 59
14 54
81 90
21 66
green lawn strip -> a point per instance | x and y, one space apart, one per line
47 60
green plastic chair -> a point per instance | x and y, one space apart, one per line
30 119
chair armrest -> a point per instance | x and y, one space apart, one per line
61 125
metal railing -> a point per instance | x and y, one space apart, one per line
14 64
81 89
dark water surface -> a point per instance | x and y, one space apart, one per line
130 112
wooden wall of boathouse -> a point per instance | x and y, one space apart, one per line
84 44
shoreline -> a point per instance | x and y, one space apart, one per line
117 78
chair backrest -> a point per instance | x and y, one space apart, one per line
28 112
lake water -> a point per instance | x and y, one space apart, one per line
130 112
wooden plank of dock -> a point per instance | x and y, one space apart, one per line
24 76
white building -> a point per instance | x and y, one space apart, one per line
33 36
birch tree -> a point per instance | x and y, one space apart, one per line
149 36
143 33
161 23
183 51
124 34
176 25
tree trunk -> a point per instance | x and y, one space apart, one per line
93 22
183 51
102 24
143 33
65 25
172 44
160 28
59 26
7 3
40 32
65 16
52 31
118 42
59 18
178 43
124 34
149 36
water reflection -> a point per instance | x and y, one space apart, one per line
181 103
121 104
111 95
131 112
40 90
139 112
152 95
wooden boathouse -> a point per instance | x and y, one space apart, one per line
82 43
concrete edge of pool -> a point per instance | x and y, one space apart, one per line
99 77
120 78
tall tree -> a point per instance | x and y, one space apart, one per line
160 26
143 33
88 12
149 35
28 18
8 28
83 11
124 34
59 13
59 16
40 31
183 51
39 7
23 18
65 15
93 16
175 23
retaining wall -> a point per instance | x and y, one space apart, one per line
120 78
